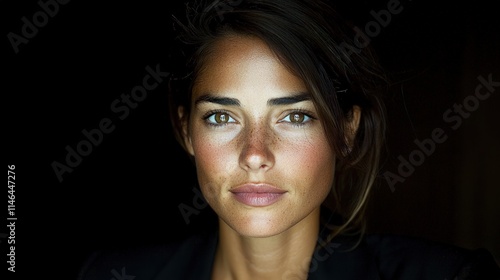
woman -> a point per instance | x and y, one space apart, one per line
281 112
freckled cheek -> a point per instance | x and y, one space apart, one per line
212 153
308 153
213 159
312 163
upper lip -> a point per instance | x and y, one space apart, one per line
257 188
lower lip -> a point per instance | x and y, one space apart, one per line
258 199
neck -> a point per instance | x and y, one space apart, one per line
286 255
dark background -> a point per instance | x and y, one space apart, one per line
127 191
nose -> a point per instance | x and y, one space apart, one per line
256 152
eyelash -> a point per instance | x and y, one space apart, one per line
213 112
306 114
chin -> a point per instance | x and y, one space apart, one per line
258 227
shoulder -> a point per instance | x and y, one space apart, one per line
401 257
173 260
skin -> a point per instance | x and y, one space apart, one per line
236 137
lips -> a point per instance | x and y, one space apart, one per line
258 195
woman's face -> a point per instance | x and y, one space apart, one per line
263 161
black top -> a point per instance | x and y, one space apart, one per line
376 257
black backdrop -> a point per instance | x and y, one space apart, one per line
127 190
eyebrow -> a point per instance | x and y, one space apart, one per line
217 100
295 98
227 101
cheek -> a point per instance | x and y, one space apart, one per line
311 152
212 150
207 155
207 158
213 161
215 153
312 166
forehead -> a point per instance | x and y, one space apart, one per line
244 62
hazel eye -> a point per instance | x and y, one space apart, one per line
297 118
219 118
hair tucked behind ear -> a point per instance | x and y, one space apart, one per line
317 45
